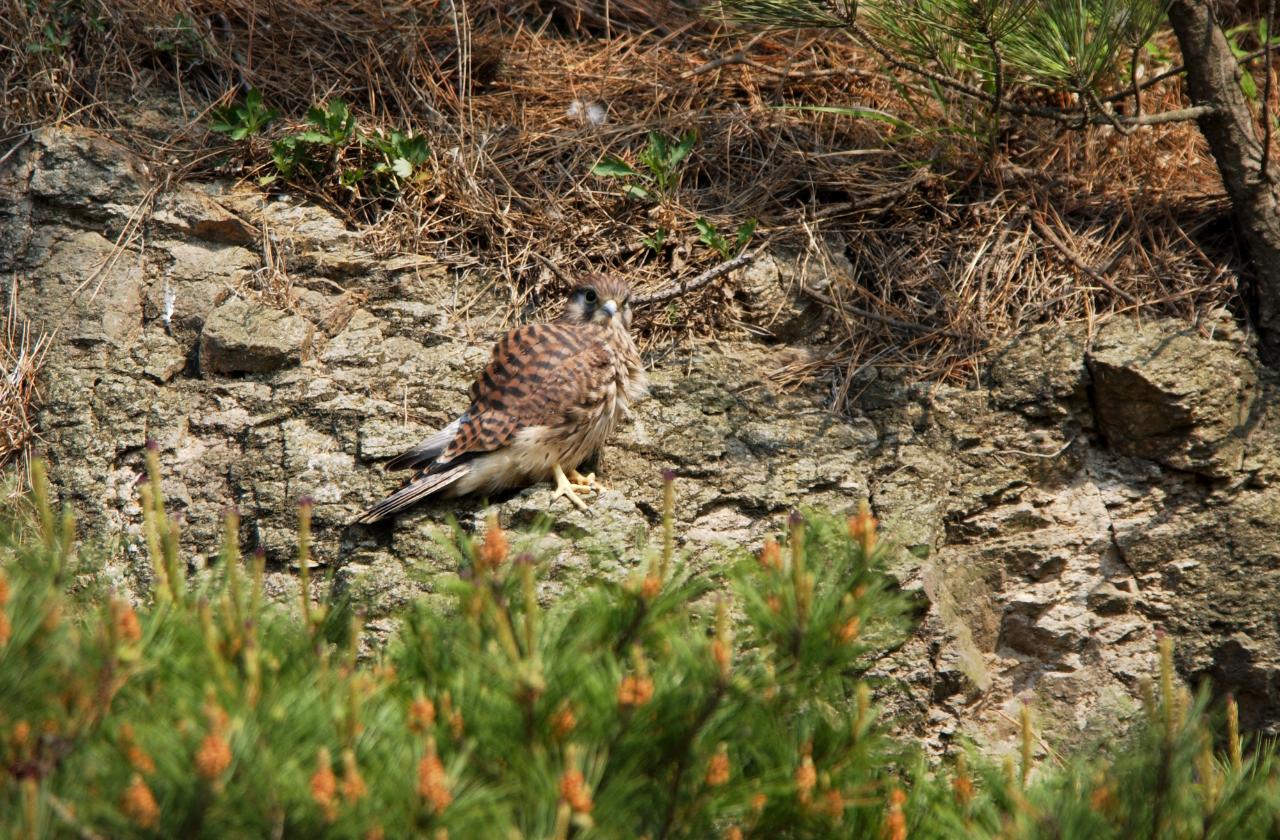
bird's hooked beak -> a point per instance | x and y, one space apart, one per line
610 308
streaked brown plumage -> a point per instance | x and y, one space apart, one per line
548 399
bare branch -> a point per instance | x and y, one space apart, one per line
1195 112
745 258
1179 69
1111 118
555 269
22 142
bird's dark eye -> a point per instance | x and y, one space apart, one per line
590 296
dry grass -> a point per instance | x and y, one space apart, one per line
21 355
947 256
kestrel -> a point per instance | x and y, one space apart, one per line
548 399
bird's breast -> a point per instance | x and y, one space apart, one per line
628 372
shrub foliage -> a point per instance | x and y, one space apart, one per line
663 706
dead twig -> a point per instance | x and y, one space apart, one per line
560 273
14 149
745 258
739 57
743 59
1079 262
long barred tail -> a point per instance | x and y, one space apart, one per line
422 486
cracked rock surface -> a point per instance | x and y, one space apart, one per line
1092 490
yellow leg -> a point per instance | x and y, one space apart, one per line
588 480
567 488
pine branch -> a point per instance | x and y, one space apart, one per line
673 798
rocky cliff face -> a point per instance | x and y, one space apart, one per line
1094 490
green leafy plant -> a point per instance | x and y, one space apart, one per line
239 121
332 124
659 165
51 41
288 154
655 240
403 153
351 178
709 236
1237 39
367 165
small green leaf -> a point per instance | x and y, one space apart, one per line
1248 85
682 151
402 167
658 146
637 191
745 230
613 167
708 235
316 137
415 150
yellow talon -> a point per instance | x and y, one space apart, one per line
588 480
569 489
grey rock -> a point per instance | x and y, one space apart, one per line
1108 599
771 291
194 215
160 356
242 337
1172 397
1042 373
83 171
